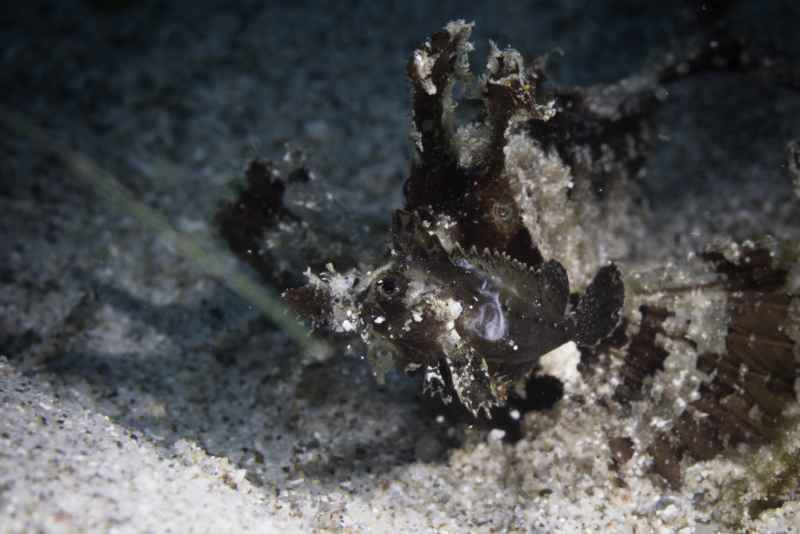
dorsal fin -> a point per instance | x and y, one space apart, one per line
597 313
546 285
413 240
522 248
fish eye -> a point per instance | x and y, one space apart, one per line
389 286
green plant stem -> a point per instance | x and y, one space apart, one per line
204 256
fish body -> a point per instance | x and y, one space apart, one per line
476 321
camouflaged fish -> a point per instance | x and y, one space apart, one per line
476 321
501 265
465 296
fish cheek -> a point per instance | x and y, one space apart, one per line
421 343
414 334
485 318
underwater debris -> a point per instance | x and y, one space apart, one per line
507 268
258 206
281 220
724 327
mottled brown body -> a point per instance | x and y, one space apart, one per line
502 259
